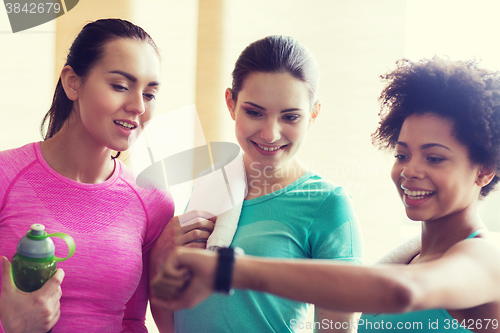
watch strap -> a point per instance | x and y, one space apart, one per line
224 273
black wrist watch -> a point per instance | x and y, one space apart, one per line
224 273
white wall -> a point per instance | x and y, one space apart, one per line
26 81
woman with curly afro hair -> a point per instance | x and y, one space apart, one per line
442 120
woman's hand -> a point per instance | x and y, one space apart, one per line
22 312
191 229
187 278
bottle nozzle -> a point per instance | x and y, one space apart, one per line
37 229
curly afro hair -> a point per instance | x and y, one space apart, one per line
460 91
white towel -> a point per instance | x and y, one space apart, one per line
404 253
221 193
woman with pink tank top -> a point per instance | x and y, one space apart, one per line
72 183
442 120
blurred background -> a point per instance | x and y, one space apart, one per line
354 42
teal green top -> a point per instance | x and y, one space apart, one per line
310 218
433 320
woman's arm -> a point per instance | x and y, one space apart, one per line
327 284
466 276
324 283
198 227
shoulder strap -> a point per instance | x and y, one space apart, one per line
475 233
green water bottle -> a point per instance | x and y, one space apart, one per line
35 262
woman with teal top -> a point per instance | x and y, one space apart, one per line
442 119
289 211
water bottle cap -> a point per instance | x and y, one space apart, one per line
37 229
38 247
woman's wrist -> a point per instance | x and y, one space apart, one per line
246 273
238 277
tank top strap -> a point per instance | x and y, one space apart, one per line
475 233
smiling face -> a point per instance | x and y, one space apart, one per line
432 171
118 94
272 116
